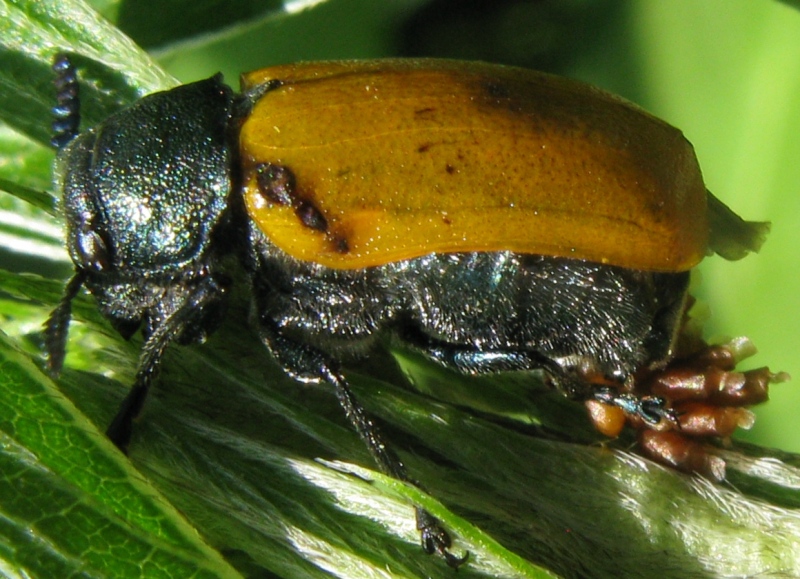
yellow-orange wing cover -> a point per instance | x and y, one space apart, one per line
409 157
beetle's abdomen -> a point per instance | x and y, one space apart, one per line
616 319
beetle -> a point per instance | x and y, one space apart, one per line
494 218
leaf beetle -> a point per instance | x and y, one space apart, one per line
493 218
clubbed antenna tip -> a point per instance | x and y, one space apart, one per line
67 111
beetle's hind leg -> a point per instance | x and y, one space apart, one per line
651 410
307 364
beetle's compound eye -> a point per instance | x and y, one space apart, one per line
93 249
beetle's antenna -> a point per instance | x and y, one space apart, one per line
57 325
67 111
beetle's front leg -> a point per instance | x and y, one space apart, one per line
308 364
200 299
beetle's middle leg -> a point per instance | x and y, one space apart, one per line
307 364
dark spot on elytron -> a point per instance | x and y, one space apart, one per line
446 220
423 148
341 245
450 169
311 217
497 90
424 111
276 183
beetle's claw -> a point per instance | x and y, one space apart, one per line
697 397
652 410
436 540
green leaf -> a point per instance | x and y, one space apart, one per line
31 238
232 443
71 503
182 20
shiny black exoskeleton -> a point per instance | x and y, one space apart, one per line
154 219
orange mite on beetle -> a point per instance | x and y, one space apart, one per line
493 218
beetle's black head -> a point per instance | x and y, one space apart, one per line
143 190
142 195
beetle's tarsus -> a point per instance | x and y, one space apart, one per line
436 540
121 428
652 410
